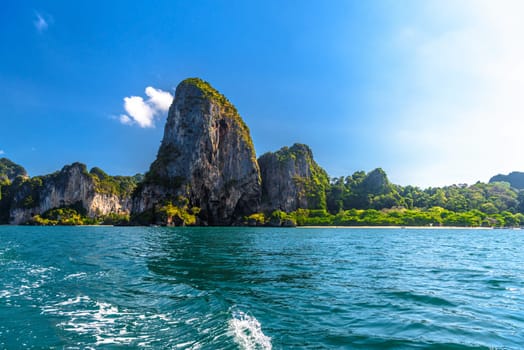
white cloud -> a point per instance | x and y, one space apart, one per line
2 152
467 123
143 112
161 100
124 119
41 24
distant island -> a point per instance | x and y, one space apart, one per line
206 173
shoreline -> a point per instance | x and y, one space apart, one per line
414 227
306 227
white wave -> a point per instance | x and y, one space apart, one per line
188 345
75 275
247 332
107 323
40 270
98 319
72 301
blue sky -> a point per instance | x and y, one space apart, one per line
428 90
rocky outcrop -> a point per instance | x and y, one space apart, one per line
10 170
515 179
73 186
376 182
369 191
291 179
206 156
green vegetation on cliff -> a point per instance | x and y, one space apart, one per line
292 179
157 171
316 184
66 216
23 199
374 191
178 213
371 199
175 212
211 93
76 215
363 191
10 170
434 216
356 200
117 185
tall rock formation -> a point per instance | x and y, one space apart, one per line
206 155
72 186
291 179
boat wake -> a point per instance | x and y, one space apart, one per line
247 332
107 323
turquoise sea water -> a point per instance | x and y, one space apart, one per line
260 288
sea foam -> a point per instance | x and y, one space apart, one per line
107 323
247 332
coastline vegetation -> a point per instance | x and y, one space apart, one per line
362 199
175 212
117 185
434 216
359 200
371 200
75 214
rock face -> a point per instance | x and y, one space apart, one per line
10 170
206 155
72 186
515 179
291 179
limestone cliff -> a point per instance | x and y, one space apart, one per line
291 179
10 170
206 155
71 186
